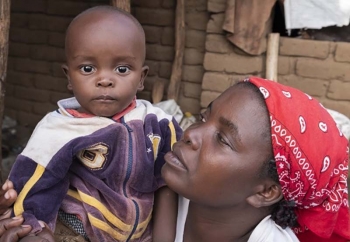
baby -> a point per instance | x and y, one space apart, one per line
96 161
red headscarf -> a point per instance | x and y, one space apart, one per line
312 161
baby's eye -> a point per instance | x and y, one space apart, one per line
87 69
122 69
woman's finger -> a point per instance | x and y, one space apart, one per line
11 229
8 223
7 196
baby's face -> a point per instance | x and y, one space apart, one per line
104 68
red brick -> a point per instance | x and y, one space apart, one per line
192 90
156 17
160 53
193 56
19 20
23 79
9 89
216 6
47 53
19 104
28 65
28 119
339 90
313 87
32 94
339 106
19 49
191 105
56 70
196 5
192 73
46 82
43 108
342 53
56 39
28 6
197 20
215 23
66 8
144 95
285 65
58 23
207 97
195 39
153 34
168 4
38 21
324 69
303 47
218 82
168 37
153 67
165 69
233 63
56 96
218 43
28 36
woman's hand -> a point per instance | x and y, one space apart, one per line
7 197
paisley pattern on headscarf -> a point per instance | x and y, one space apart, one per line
311 157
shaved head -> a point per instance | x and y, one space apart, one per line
104 16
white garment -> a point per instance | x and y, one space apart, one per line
316 14
266 231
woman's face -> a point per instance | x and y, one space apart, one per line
218 160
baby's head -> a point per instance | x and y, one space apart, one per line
105 53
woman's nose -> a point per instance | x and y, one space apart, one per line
192 137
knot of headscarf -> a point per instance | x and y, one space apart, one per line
311 156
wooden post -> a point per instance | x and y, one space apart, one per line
272 56
176 73
4 37
122 4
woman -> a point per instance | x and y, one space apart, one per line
265 163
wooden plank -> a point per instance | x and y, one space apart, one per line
272 56
158 90
176 73
4 45
122 4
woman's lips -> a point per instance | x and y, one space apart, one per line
173 159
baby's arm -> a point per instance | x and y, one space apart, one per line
164 215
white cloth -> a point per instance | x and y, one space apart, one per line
316 14
342 122
266 231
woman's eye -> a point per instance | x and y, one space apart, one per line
202 118
122 69
87 69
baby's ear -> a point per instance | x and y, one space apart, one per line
267 194
143 77
65 71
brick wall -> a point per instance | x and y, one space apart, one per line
319 68
35 81
157 18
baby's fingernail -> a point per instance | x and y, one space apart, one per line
17 217
25 226
4 186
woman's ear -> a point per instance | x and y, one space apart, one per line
267 194
143 77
